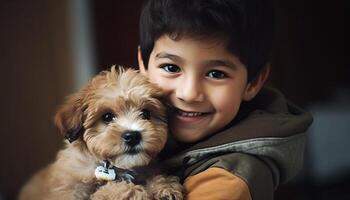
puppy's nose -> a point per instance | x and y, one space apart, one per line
131 138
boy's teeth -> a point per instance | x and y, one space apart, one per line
189 114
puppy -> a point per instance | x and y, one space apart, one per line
115 126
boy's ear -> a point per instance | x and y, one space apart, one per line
255 85
140 61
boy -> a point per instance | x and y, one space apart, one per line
234 139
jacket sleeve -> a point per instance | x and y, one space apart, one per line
216 183
244 169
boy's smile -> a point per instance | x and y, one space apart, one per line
188 116
204 84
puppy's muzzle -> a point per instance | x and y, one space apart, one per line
132 138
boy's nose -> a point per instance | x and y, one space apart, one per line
190 91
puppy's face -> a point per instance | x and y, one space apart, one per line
120 117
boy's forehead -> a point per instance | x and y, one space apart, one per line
203 42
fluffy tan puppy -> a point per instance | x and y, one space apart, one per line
115 126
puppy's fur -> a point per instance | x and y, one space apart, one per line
95 120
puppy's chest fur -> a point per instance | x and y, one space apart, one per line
74 161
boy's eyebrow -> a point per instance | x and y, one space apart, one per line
209 63
224 63
169 56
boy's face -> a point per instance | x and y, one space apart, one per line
204 84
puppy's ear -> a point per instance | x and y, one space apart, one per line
69 117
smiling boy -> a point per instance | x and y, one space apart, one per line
234 138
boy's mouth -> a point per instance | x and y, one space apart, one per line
188 116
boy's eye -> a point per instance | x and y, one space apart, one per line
171 68
216 74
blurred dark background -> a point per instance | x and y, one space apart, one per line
49 49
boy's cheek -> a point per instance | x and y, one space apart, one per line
156 78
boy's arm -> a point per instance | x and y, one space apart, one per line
216 183
263 163
234 176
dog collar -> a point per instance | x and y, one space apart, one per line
108 172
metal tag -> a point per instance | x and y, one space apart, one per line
104 173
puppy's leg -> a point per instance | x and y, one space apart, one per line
68 195
52 184
73 191
121 191
165 188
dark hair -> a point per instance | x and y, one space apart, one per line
246 25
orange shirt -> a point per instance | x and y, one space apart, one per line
216 184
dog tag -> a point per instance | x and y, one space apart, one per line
104 173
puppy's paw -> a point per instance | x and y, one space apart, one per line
167 197
166 188
121 191
168 194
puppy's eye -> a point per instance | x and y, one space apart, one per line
146 114
108 117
